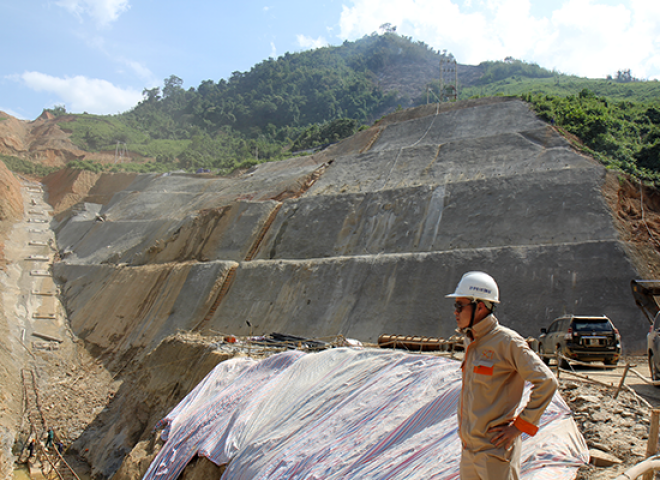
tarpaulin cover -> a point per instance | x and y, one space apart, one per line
343 414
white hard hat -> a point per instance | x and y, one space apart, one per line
477 286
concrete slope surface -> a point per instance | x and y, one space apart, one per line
362 239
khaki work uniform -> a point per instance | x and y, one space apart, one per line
495 367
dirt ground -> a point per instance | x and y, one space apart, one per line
75 389
636 214
615 424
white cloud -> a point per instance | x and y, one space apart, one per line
586 48
584 37
273 50
139 69
439 23
103 12
308 43
614 37
81 94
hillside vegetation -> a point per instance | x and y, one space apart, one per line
302 101
621 134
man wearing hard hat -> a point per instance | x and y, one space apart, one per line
496 365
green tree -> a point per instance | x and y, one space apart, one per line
57 110
172 85
151 94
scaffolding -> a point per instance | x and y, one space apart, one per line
448 80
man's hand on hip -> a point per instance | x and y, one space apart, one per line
506 434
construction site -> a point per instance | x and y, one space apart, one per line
194 326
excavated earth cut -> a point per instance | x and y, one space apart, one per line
360 240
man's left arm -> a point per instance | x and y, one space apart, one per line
544 385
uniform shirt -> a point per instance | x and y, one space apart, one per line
495 367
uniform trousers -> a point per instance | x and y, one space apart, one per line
493 464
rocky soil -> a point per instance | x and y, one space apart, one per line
73 389
615 429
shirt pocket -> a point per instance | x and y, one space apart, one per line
483 369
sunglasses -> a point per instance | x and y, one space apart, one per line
458 307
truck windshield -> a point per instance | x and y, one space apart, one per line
593 325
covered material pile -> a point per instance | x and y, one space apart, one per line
340 414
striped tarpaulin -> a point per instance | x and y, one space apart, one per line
343 414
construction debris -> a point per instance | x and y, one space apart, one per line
50 338
420 344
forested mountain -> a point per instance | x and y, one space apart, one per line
295 102
296 90
308 99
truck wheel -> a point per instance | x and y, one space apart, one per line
653 370
563 363
543 353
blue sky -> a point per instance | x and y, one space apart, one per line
97 56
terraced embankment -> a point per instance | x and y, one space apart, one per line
370 238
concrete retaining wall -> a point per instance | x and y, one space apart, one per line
365 296
224 233
129 310
534 209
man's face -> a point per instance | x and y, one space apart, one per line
465 314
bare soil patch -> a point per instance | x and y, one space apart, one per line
611 420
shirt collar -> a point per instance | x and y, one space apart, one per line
485 326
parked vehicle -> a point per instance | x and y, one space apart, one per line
653 349
645 293
582 338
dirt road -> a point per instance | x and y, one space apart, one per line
637 378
